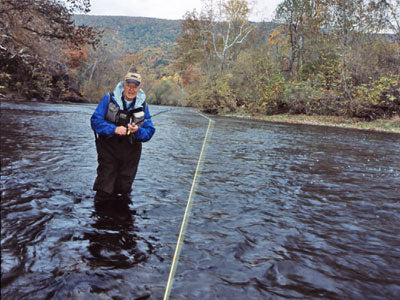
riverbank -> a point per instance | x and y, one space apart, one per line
387 125
382 125
67 98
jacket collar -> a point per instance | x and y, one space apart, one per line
118 91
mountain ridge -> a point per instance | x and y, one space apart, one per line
135 33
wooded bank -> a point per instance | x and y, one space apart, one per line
319 57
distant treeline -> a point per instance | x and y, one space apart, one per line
134 33
317 57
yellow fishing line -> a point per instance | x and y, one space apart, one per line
187 212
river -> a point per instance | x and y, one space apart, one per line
280 211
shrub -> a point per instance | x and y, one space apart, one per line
378 99
303 98
165 92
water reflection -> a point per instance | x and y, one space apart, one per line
113 242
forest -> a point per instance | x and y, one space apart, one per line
318 57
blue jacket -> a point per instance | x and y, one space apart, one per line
102 127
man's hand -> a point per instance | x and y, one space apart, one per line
133 127
120 130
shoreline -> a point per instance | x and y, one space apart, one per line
382 125
16 98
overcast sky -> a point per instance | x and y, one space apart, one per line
169 9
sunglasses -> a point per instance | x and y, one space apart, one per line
131 85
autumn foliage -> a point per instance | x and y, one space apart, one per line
327 57
39 44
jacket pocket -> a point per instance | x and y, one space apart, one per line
138 117
112 113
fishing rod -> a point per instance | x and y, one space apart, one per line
156 114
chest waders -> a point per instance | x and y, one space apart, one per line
118 156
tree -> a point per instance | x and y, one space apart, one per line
194 43
215 35
347 20
35 35
229 26
393 16
301 21
392 21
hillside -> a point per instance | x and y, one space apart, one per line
139 33
135 33
147 45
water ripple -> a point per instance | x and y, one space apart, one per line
280 211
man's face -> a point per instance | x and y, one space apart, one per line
130 90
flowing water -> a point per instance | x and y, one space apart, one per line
280 211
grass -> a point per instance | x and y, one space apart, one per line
383 125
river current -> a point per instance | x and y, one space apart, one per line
280 211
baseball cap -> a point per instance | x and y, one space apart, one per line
133 77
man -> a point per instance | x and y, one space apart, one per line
121 123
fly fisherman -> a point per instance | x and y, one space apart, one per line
121 122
